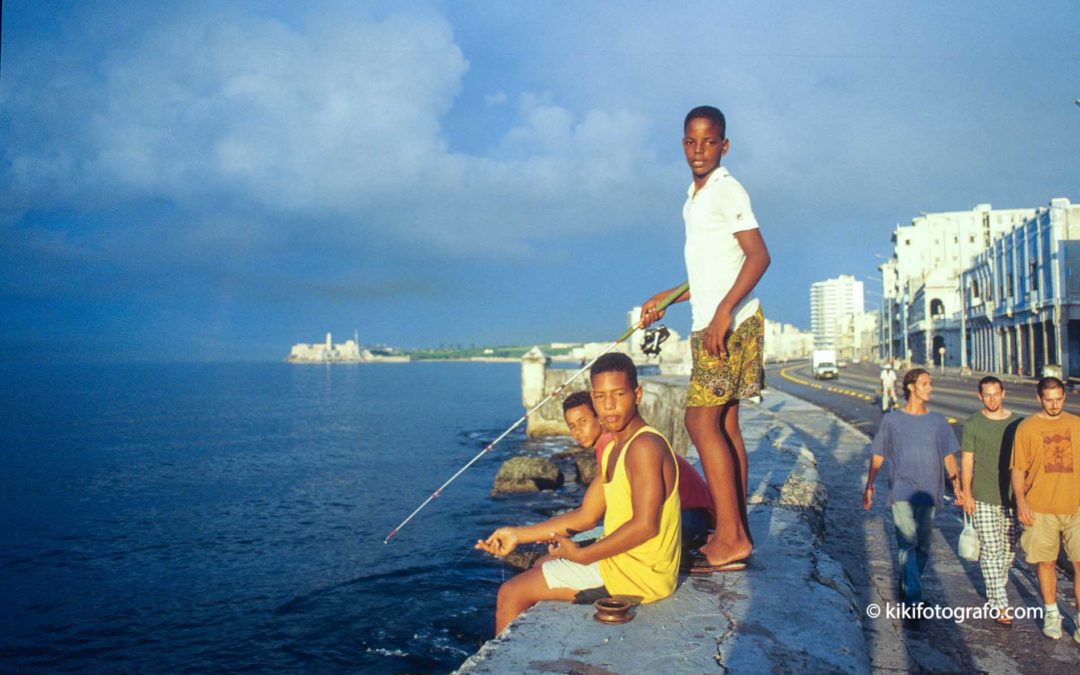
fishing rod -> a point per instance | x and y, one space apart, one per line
629 331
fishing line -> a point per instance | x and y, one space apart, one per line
629 331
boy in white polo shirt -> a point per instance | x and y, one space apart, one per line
725 259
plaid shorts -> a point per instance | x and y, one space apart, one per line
715 381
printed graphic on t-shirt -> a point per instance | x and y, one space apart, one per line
1057 452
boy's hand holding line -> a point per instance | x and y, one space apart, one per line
502 542
564 547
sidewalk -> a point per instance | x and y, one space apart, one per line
793 609
864 544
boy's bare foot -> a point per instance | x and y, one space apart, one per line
717 555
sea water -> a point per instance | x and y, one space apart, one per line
231 517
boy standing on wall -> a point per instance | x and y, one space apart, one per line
725 259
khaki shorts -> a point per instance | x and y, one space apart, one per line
1040 541
715 381
562 573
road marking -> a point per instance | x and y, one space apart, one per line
784 373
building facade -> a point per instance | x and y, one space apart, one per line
1021 309
784 342
856 336
921 281
829 301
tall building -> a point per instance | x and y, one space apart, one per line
829 301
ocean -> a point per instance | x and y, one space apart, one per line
231 517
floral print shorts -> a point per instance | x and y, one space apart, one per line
715 381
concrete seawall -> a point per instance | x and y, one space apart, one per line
662 404
793 609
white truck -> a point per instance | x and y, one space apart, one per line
823 363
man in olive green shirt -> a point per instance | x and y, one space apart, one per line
987 452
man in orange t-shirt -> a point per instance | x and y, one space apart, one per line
1046 482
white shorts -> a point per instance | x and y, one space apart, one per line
562 573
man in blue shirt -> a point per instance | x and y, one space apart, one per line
916 443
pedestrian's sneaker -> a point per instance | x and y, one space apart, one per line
1052 625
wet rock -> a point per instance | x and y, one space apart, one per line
586 466
527 474
574 452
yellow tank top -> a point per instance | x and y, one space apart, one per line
650 570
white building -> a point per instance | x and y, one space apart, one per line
829 301
921 283
856 336
1022 300
784 342
327 352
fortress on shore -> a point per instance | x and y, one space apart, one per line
345 352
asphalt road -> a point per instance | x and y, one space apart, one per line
863 543
853 395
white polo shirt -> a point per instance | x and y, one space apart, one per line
713 256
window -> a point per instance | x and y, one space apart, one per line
1034 276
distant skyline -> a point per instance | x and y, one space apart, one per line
218 181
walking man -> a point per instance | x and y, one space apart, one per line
987 453
888 387
1047 486
916 442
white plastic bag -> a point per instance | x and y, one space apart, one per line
968 545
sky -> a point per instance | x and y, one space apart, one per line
206 181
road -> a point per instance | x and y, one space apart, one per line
864 544
853 396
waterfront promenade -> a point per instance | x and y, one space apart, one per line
793 609
802 604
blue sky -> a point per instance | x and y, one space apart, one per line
207 180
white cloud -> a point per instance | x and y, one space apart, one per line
332 119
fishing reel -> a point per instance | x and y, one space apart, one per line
653 339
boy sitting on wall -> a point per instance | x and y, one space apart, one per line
636 493
698 515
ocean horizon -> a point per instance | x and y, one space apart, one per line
231 516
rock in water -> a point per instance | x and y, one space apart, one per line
527 474
586 467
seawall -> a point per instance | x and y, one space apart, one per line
792 609
662 403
